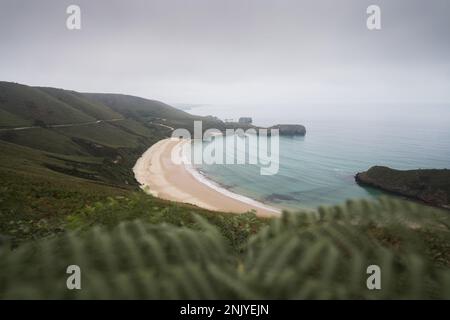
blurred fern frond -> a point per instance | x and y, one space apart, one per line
321 254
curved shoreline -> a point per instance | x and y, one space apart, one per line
159 176
213 185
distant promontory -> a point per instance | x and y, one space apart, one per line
283 129
290 129
431 186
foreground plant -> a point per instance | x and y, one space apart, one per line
307 255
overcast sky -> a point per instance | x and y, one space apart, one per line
232 51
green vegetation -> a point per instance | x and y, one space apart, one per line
42 139
300 256
153 112
431 186
32 104
68 196
56 178
33 207
236 228
139 108
9 120
81 103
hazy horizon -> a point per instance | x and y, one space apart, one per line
235 52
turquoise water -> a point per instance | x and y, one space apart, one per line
319 169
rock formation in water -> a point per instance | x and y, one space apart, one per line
290 129
431 186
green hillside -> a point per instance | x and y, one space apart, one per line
88 129
36 106
152 111
42 194
8 119
68 196
49 172
44 140
81 103
138 108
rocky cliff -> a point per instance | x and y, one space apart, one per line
290 129
431 186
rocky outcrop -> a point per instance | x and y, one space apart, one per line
284 129
290 129
431 186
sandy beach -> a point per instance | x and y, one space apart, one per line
160 176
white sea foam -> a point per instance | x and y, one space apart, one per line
211 184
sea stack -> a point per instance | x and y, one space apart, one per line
290 129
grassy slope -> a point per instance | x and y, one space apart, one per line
151 111
36 202
48 174
54 180
138 108
33 198
81 103
8 119
43 139
114 145
33 104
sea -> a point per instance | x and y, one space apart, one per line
341 140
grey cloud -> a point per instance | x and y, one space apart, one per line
236 51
